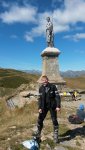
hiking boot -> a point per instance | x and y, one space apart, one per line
38 131
56 134
37 134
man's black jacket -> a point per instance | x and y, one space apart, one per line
48 97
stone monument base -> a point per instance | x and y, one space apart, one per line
50 66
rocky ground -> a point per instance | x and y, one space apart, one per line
74 136
23 124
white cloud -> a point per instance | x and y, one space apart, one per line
79 36
28 37
39 30
75 37
63 18
72 13
22 14
67 36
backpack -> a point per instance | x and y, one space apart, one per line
74 119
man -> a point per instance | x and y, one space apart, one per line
49 100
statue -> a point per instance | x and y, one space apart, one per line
49 33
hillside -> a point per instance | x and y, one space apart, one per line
76 83
17 125
11 79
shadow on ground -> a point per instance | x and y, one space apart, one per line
71 134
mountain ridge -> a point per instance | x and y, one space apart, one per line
68 73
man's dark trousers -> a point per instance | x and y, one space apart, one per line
42 116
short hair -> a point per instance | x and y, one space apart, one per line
44 76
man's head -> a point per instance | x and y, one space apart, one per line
44 80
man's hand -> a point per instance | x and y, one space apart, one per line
58 109
40 110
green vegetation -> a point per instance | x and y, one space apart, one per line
6 91
50 143
17 125
8 72
71 148
13 82
11 79
78 143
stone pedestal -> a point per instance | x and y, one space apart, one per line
50 66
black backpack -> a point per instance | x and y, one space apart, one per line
74 119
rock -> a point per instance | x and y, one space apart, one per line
18 133
9 148
32 86
60 148
71 143
13 127
29 93
8 139
48 147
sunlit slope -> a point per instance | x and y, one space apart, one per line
10 78
77 82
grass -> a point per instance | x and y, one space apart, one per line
49 142
11 79
14 78
16 126
17 147
13 82
76 83
72 148
78 143
6 91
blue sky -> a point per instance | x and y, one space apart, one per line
22 33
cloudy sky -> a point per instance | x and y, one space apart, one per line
22 33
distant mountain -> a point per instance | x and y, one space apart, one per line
68 73
32 71
72 74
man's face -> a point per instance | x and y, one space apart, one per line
44 81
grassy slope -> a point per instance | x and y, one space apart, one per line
10 78
16 125
77 83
